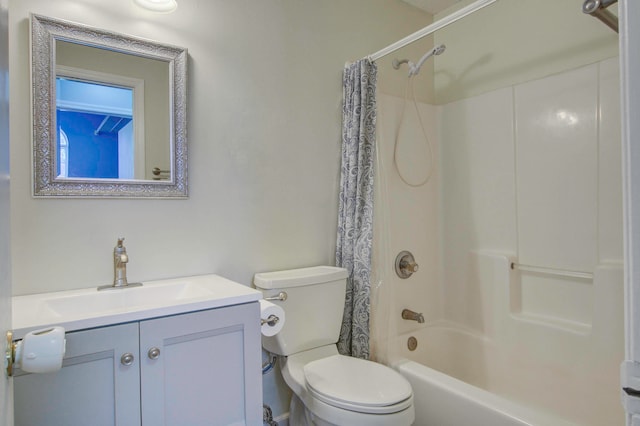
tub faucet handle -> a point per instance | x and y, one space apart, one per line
405 264
409 266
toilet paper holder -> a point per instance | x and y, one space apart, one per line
271 321
40 351
272 318
9 354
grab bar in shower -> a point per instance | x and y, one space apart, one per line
598 9
552 271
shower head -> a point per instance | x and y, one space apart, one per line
414 69
439 49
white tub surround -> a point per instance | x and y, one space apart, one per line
527 175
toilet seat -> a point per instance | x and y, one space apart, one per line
327 406
357 385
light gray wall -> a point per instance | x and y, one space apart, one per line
264 118
264 142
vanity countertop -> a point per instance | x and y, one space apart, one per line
89 308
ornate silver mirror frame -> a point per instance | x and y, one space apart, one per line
44 34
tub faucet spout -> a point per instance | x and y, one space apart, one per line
412 316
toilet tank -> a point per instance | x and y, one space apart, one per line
313 308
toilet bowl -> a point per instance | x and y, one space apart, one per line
329 389
340 390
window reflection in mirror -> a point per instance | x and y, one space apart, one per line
146 80
96 129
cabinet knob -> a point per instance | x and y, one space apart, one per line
154 353
127 359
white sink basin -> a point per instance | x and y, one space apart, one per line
88 308
126 298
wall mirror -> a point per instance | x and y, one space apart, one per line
109 113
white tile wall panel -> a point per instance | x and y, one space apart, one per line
557 170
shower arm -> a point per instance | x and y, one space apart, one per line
396 63
414 69
598 9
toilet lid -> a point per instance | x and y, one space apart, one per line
358 385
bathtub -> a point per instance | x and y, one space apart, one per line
457 390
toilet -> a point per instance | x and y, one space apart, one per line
329 389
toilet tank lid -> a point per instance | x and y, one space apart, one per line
299 277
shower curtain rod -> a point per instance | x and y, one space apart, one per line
430 29
598 9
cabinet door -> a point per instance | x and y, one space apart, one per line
202 368
92 388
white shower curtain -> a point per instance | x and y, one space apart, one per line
355 216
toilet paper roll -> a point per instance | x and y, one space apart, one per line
42 351
272 318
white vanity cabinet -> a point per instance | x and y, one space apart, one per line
92 388
198 368
203 368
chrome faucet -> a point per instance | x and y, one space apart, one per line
120 260
412 316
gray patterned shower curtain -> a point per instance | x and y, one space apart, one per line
355 215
